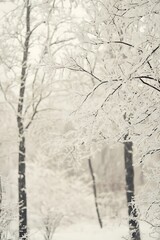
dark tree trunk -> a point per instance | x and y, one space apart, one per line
21 131
22 191
95 192
132 213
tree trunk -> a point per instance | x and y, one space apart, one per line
95 192
132 213
22 191
21 130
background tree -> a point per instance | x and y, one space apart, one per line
95 192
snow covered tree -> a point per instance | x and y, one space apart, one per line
96 62
118 64
22 145
32 34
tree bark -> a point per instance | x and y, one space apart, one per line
20 123
95 192
22 191
132 213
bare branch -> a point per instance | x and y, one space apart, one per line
81 69
147 77
107 98
148 84
94 89
5 97
150 152
35 27
145 60
62 41
148 115
41 98
151 224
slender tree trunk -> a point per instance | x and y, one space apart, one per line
20 123
22 191
95 192
132 213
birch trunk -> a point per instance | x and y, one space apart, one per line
132 213
21 131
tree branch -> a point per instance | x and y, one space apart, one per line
119 86
148 84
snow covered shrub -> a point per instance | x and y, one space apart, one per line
50 223
113 204
7 214
149 199
62 199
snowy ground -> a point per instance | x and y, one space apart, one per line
87 231
92 232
